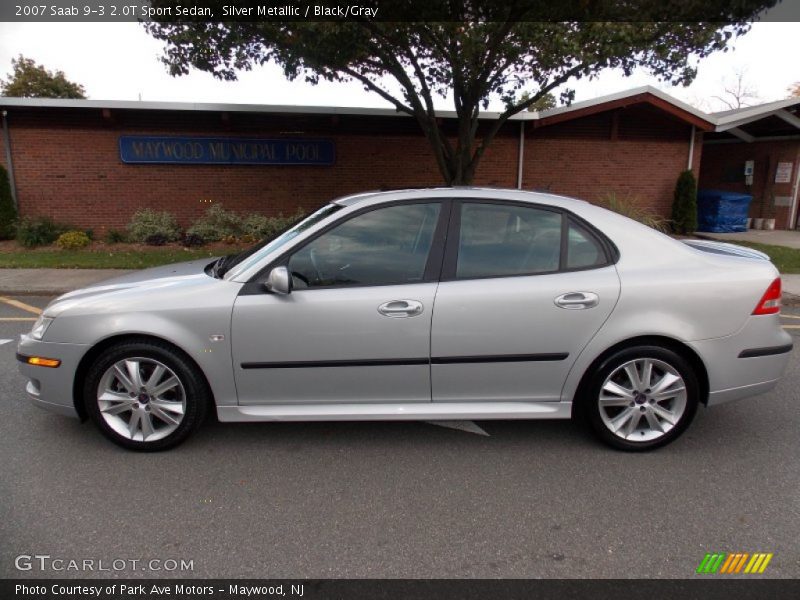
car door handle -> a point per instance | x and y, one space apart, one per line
577 300
401 308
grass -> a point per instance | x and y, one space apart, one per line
786 259
105 256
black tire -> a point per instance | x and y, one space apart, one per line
195 390
589 403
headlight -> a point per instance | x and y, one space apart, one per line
41 325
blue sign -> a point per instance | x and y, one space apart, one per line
225 150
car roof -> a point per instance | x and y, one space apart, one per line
489 193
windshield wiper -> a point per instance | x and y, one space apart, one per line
222 265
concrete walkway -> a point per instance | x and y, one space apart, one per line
51 282
790 239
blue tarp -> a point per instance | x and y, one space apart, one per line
722 212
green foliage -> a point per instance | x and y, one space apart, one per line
684 204
217 224
257 226
39 231
475 50
632 207
115 236
8 214
29 80
148 222
546 102
73 240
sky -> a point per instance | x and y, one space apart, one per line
120 61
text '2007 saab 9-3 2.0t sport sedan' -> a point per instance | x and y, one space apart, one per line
423 304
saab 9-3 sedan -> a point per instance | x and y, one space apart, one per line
457 303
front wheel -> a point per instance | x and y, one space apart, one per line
145 395
642 398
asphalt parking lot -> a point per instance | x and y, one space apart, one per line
531 499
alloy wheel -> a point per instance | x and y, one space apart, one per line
642 400
141 399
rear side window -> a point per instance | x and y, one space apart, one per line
583 249
502 240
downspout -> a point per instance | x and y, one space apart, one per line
691 150
521 153
7 145
795 191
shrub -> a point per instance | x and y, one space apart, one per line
8 214
258 226
684 204
39 231
149 222
217 224
156 239
115 236
631 207
72 240
192 239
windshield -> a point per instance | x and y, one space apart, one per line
255 254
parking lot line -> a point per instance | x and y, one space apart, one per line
790 316
17 319
791 326
22 305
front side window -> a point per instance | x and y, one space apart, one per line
503 240
384 246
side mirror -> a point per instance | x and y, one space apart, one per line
279 281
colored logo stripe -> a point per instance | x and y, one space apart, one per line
734 562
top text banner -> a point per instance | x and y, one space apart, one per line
384 10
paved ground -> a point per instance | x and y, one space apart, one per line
535 499
776 237
51 281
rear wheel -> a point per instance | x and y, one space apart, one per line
642 398
145 396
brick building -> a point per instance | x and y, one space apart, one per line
88 162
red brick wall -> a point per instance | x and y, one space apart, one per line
723 169
636 154
67 164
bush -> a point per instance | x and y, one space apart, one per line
192 239
684 204
631 207
39 231
156 239
148 222
8 214
72 240
258 226
115 236
217 224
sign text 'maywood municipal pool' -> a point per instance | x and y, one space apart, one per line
225 150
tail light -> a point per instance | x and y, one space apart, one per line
770 302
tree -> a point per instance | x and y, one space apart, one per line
8 213
475 50
737 92
684 204
29 80
546 102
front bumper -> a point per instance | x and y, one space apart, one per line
47 387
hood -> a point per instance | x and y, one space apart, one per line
157 277
725 249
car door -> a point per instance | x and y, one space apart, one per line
524 288
356 326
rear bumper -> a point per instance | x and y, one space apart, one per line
748 363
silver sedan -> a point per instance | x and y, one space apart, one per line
425 304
